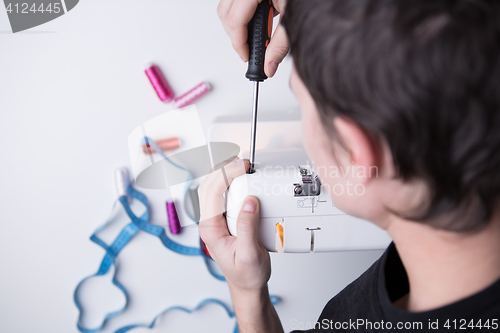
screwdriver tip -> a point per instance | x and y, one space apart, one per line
251 169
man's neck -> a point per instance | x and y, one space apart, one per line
444 267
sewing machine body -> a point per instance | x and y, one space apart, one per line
290 194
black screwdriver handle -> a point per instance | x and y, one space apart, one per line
259 35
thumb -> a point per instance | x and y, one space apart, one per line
277 50
247 223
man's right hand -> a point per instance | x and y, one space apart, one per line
235 15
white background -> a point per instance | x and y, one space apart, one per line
71 91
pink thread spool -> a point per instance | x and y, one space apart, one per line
173 219
159 83
193 95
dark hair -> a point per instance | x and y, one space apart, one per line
424 75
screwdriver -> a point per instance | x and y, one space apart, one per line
259 35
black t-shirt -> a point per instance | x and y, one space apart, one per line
366 305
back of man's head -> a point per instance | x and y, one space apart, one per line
423 75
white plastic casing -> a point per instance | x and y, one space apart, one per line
273 184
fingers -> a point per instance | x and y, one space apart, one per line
277 50
223 163
247 225
279 5
235 16
235 22
212 202
213 226
213 231
223 8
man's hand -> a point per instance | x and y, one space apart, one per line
244 262
235 15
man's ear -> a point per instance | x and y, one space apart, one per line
359 145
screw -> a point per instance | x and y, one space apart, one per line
298 190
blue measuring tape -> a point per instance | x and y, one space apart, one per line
126 234
109 260
274 299
189 179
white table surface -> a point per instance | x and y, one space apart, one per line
71 91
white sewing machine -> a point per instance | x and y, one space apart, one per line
297 214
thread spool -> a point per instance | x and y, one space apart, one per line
204 248
193 95
163 144
159 83
121 181
173 219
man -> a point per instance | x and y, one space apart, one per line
413 88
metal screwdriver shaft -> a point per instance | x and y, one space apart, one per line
259 34
253 133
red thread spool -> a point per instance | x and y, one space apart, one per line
159 83
163 144
204 248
